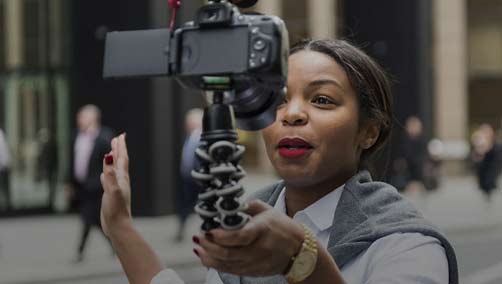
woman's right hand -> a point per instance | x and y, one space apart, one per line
116 201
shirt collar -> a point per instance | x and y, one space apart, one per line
320 213
90 133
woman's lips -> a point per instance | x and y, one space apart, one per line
293 147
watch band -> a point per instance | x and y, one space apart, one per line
303 263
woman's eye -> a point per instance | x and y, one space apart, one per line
322 100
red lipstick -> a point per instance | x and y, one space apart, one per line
293 147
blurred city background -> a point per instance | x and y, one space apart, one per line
444 56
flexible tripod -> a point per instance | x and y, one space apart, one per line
219 171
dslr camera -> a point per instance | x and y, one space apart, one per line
244 55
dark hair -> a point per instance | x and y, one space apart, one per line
368 79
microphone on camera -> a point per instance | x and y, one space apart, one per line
244 3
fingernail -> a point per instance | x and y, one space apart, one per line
209 236
196 252
108 159
195 239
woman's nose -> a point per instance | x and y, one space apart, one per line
294 114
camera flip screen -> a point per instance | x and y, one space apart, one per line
203 52
136 53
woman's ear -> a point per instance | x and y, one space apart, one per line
369 135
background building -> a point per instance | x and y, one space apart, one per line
34 98
445 57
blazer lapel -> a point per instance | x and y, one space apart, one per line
94 154
348 217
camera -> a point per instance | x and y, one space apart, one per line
244 55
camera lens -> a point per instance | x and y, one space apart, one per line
255 108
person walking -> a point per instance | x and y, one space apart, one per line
187 195
485 155
414 154
4 166
90 143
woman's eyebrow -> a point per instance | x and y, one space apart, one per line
321 82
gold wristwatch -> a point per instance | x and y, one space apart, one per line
303 264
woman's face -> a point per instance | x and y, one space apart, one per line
316 136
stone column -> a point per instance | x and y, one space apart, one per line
450 78
14 32
322 18
273 7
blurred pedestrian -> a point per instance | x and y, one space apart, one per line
187 195
414 154
399 177
90 143
485 155
47 163
4 166
498 145
432 168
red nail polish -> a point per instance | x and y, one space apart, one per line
196 252
108 159
195 239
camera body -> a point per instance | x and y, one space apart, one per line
245 54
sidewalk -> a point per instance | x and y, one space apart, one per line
459 206
41 249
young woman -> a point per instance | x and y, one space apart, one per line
326 221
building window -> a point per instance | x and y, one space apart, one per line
34 103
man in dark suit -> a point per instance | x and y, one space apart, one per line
486 157
90 143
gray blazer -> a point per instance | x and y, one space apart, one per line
367 211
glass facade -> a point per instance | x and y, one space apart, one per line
34 89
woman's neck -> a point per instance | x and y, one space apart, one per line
299 197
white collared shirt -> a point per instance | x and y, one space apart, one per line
318 217
408 258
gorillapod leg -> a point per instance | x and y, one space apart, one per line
219 171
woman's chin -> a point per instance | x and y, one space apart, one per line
299 176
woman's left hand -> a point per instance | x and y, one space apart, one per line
116 200
263 247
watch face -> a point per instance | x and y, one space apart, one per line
305 264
